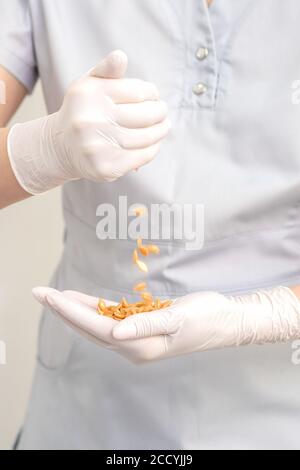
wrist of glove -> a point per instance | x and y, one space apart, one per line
197 322
107 126
37 155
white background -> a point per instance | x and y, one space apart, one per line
30 245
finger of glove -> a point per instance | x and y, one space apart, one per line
131 139
40 294
113 66
86 299
129 90
141 115
129 160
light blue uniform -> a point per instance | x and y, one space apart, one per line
234 148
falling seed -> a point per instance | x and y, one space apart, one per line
140 287
142 266
153 249
144 250
135 256
140 211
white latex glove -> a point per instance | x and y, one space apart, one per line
107 126
208 320
79 311
197 322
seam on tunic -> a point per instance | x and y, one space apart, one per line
246 234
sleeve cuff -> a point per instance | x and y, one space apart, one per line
23 72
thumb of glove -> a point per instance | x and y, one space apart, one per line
114 65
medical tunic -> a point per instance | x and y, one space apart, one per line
227 75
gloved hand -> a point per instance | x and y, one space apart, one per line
208 320
107 126
79 311
197 322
